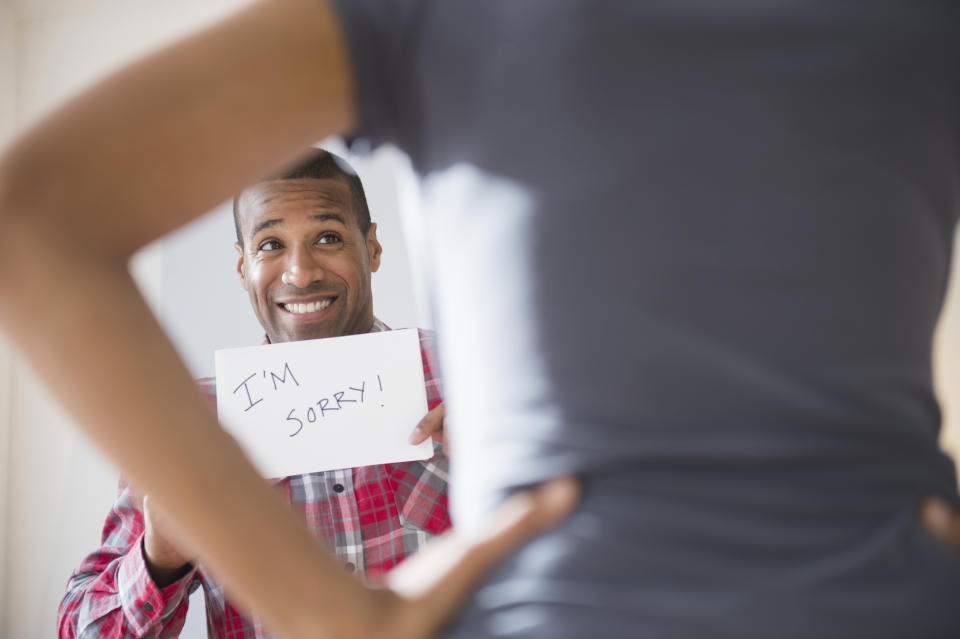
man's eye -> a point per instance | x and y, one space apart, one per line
329 238
269 245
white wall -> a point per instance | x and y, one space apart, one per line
7 121
8 61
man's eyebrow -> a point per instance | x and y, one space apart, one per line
318 217
265 225
323 217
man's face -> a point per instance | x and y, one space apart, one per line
304 261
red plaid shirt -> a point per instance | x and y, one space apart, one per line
372 517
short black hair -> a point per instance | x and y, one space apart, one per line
320 164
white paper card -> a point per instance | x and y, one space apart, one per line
324 404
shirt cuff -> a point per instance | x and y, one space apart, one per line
142 602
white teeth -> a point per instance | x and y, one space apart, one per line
312 307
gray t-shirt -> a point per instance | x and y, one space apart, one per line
695 251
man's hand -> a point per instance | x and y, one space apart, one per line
942 520
165 563
431 426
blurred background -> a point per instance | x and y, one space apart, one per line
55 489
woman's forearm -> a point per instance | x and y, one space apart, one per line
146 150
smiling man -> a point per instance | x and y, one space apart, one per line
307 250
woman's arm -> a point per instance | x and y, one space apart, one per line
140 154
146 150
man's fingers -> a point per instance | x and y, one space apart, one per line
430 425
438 579
941 519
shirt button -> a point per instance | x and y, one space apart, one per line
338 488
148 607
350 567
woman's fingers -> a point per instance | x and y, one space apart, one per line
941 519
435 582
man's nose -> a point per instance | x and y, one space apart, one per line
301 269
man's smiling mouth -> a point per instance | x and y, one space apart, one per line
311 307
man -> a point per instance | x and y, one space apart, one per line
307 249
694 251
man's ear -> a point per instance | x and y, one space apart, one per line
243 277
373 247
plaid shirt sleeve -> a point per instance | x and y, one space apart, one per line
111 593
